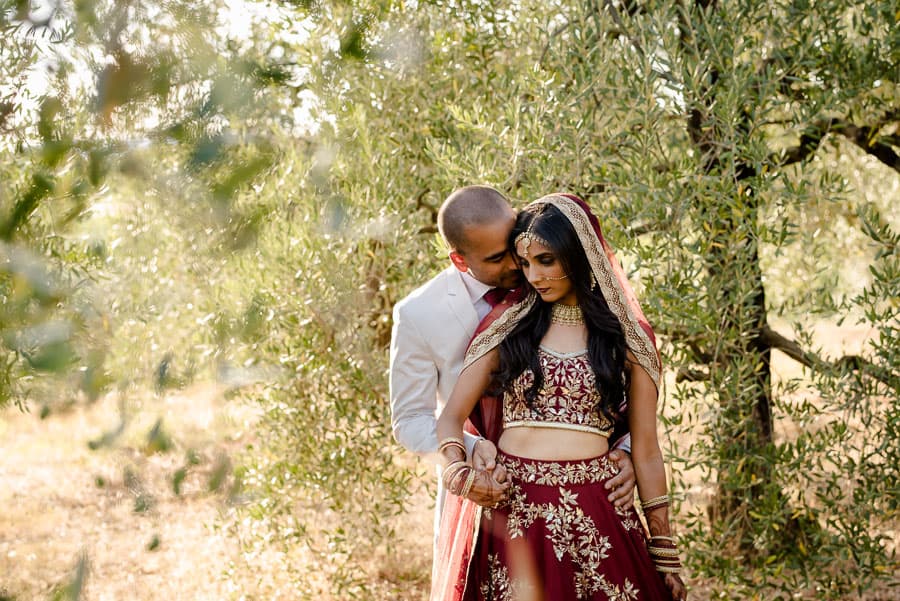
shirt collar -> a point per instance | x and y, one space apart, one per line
475 288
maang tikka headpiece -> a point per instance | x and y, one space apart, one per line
528 236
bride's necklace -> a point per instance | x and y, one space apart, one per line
566 315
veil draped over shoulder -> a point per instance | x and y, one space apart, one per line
460 518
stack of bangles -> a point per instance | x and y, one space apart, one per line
663 549
458 476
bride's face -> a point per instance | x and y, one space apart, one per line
545 273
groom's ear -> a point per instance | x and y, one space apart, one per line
458 260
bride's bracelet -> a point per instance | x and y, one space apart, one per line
655 503
451 472
664 554
467 485
460 480
452 441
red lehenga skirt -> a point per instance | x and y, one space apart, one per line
558 538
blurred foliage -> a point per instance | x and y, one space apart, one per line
243 191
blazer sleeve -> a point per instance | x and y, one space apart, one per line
413 383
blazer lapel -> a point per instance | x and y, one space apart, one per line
460 303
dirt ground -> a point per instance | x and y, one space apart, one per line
116 507
117 504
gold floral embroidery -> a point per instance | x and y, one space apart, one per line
571 533
568 396
629 519
551 473
500 587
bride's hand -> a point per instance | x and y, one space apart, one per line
486 491
675 586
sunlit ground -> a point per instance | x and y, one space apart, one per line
116 505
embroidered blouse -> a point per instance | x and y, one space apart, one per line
567 400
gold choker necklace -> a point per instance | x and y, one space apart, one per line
566 315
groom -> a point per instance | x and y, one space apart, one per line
434 324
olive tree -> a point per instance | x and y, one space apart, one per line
722 142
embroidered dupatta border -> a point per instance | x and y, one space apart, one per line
616 291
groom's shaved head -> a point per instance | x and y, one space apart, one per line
468 207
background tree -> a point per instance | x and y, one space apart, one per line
720 140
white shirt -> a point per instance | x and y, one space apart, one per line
477 290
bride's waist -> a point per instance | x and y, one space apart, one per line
552 443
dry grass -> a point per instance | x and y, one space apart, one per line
60 498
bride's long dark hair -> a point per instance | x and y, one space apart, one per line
606 339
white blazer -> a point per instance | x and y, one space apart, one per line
432 329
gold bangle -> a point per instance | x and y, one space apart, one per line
449 445
661 537
452 441
663 551
458 481
470 481
655 499
667 570
449 439
655 502
666 561
453 465
450 472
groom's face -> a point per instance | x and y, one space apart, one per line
487 255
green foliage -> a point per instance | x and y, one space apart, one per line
250 207
717 135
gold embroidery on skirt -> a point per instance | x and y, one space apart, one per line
550 473
500 587
571 533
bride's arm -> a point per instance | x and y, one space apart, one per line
460 477
650 472
645 452
469 388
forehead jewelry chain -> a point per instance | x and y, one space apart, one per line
566 315
527 237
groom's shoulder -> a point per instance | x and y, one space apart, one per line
424 297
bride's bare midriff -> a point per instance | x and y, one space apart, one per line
552 444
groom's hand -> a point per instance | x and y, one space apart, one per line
622 484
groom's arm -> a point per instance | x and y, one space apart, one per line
413 381
413 387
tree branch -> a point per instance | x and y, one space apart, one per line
863 136
553 34
866 138
856 363
635 43
690 375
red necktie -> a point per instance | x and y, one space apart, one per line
494 296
